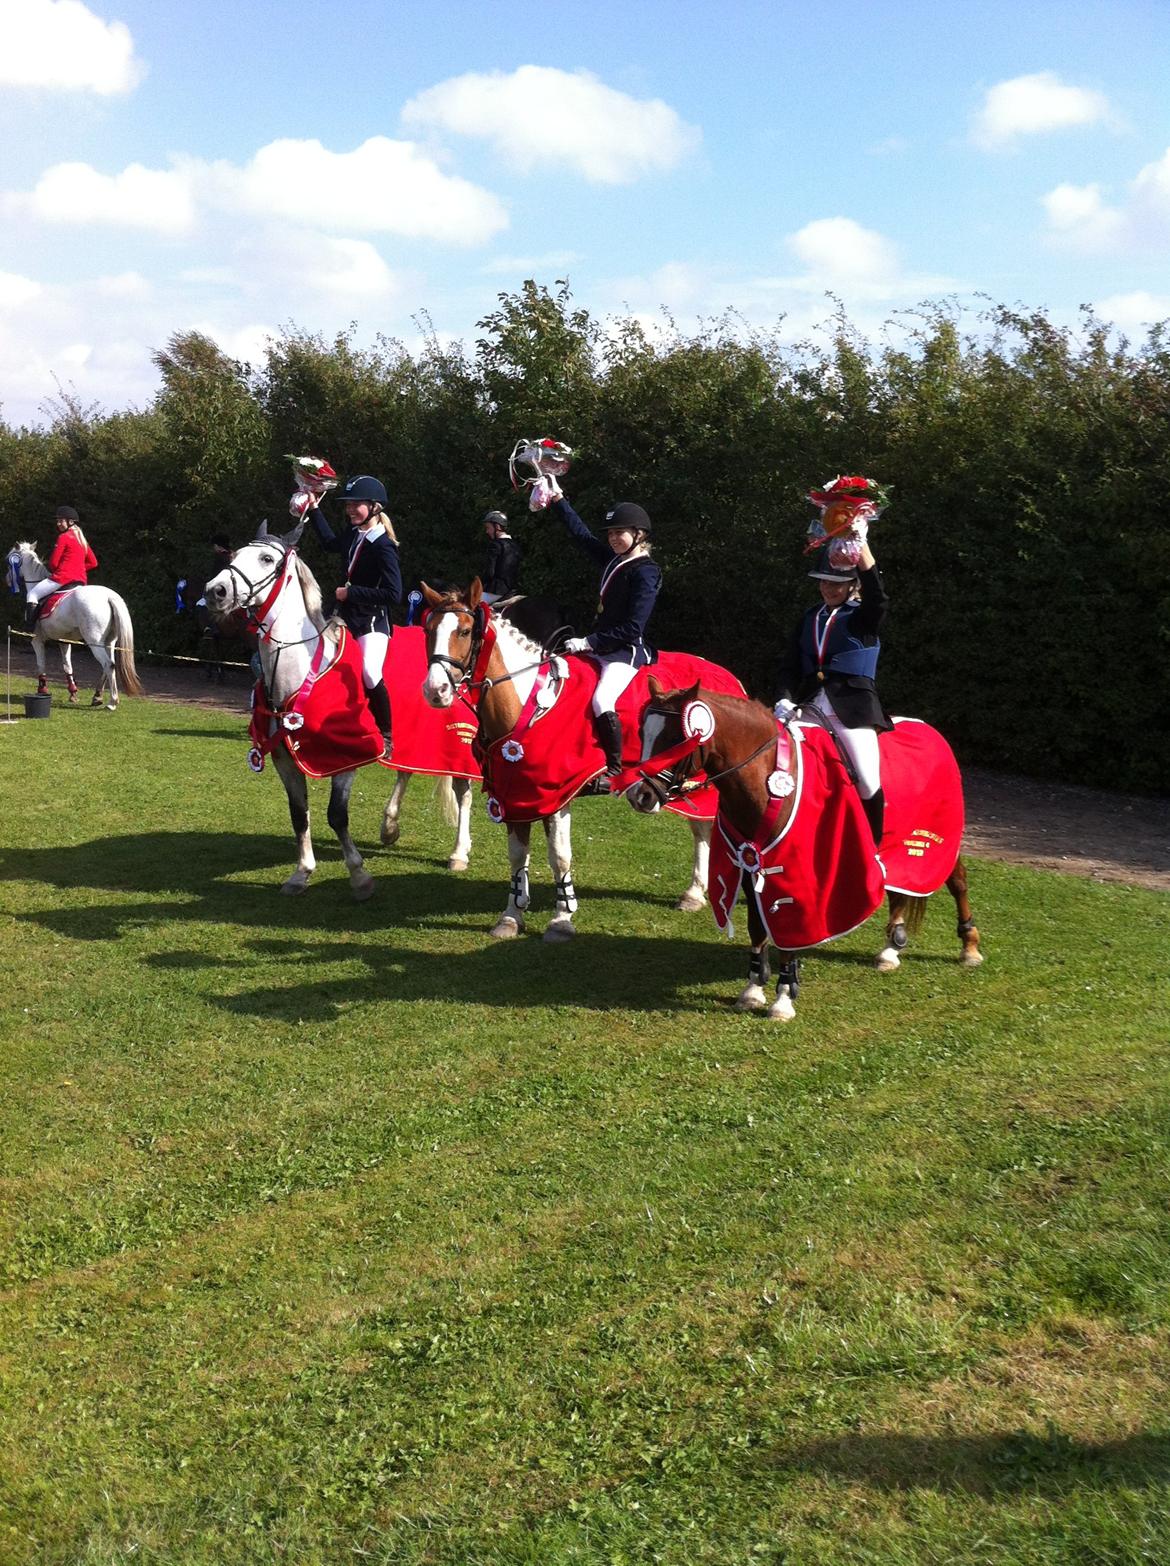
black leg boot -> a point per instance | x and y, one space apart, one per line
875 814
379 702
31 611
608 727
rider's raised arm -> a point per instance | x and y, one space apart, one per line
593 547
328 538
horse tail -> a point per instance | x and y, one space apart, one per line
445 793
124 646
915 914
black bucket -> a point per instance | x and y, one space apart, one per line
38 706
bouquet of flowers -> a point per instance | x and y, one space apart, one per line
313 478
548 459
845 508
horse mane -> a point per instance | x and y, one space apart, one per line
534 618
311 593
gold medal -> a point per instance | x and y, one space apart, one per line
821 675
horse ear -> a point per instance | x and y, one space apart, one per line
654 686
475 594
432 598
291 539
262 530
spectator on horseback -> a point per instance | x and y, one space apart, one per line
502 567
630 581
69 564
373 582
830 663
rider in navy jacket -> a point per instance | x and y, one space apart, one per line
373 582
630 581
830 663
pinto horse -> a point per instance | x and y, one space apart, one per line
98 616
513 684
301 654
792 835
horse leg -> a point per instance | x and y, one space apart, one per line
966 929
890 956
461 853
390 828
105 676
297 790
783 1008
67 665
42 675
511 921
560 859
360 879
695 895
753 997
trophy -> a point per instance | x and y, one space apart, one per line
548 459
314 479
845 507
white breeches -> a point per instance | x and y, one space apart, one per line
612 682
860 745
41 590
374 645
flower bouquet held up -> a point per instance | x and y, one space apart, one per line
548 459
845 508
314 479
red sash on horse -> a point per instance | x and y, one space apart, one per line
552 752
819 877
50 603
426 739
326 726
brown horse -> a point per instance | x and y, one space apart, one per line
734 741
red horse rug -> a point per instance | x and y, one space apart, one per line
426 739
326 725
810 867
552 752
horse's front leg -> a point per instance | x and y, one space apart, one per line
890 956
695 895
42 672
966 929
783 1008
753 996
560 858
391 831
360 880
511 921
67 665
297 790
461 853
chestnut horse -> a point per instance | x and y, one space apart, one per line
734 741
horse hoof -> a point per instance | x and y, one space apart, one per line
391 832
690 902
887 961
294 888
782 1010
971 959
456 864
97 702
362 889
506 930
751 1000
560 930
73 698
111 706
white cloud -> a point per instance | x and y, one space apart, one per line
541 117
346 269
1081 217
16 291
62 44
1031 105
532 266
160 200
1136 312
839 251
383 186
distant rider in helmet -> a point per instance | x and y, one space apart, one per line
502 567
373 582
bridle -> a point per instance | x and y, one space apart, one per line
670 782
465 668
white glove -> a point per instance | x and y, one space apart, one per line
784 709
577 644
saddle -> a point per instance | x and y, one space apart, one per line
47 605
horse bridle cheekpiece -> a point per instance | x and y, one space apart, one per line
464 668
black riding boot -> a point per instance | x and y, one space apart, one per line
608 727
379 703
31 611
875 814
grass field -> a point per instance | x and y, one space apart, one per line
333 1232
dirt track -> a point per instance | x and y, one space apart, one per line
1052 826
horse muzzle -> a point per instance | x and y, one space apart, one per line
644 798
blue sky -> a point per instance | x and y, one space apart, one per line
237 168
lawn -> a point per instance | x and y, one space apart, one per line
334 1231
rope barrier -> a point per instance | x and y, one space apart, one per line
139 652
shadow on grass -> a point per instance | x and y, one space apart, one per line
215 734
984 1465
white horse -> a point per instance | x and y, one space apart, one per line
506 684
99 617
271 581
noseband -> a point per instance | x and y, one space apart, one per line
464 668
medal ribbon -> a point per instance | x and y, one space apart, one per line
820 638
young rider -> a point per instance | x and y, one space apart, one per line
830 663
373 582
69 564
502 566
630 580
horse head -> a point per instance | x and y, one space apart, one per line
27 561
454 624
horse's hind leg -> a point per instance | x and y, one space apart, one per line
298 808
360 879
966 928
753 996
511 921
890 956
391 831
106 677
560 858
42 673
67 665
695 895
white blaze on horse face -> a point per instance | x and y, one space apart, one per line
438 687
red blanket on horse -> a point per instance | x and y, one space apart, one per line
552 752
326 726
426 739
817 877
